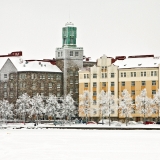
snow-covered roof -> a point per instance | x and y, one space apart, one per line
36 66
138 62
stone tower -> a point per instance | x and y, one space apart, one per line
69 58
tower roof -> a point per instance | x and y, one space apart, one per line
69 24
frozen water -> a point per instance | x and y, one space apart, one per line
63 144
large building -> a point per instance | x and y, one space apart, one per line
133 73
18 76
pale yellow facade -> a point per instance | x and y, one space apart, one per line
109 77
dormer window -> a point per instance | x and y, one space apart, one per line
139 64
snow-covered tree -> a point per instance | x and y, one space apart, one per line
144 104
156 101
69 107
125 105
23 105
84 103
37 105
52 107
6 109
107 104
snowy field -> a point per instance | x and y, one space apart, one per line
63 144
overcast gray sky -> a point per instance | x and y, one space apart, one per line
111 27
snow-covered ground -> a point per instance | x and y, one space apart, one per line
63 144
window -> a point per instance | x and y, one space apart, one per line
132 83
5 75
34 86
121 74
71 81
86 76
153 83
5 85
61 54
144 74
24 85
42 76
133 74
143 83
153 91
76 73
11 85
11 76
105 75
94 84
76 53
76 81
71 53
112 92
85 84
11 94
112 83
133 101
58 94
5 94
151 73
71 90
112 75
71 73
71 40
124 74
76 90
58 77
58 86
58 54
94 75
50 85
132 92
103 84
141 74
94 102
102 75
123 83
155 73
33 76
94 93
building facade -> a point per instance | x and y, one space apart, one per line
35 77
133 74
